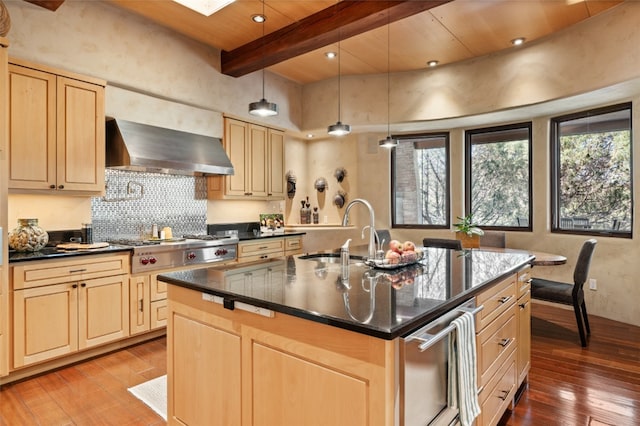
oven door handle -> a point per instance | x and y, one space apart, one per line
429 340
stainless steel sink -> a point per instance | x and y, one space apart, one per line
330 258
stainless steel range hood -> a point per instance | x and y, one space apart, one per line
144 148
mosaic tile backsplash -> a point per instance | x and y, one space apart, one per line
134 201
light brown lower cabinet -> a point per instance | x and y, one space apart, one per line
63 306
225 366
268 248
147 303
59 319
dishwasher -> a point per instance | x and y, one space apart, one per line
424 371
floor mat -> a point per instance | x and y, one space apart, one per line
154 394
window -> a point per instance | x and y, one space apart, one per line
498 176
591 172
420 181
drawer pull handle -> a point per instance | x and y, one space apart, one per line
504 342
141 305
523 305
262 248
265 256
74 286
75 271
503 395
504 299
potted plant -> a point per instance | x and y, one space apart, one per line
467 232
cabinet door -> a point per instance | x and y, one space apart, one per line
288 390
45 323
159 312
207 382
236 143
275 165
80 136
32 128
524 337
103 310
257 161
139 304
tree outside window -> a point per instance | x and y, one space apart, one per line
420 181
498 176
591 172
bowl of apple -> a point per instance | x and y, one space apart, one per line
397 256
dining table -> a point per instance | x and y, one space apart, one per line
541 258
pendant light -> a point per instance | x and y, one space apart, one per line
339 129
388 142
263 108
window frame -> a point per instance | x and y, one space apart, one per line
554 157
468 134
447 147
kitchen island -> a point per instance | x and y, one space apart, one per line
296 341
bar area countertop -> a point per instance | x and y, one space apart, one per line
381 303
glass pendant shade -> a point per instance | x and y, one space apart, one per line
263 108
339 129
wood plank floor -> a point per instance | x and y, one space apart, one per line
571 385
568 385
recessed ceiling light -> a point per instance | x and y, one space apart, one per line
258 18
310 136
331 55
432 63
205 7
518 41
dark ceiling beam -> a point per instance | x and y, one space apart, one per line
345 19
52 5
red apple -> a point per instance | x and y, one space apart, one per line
395 245
408 245
409 256
393 257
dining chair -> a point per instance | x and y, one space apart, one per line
567 293
493 239
442 243
383 236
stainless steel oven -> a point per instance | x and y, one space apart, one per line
424 372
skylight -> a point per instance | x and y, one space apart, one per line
205 7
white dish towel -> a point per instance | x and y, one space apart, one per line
462 385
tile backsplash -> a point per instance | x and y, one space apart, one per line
134 201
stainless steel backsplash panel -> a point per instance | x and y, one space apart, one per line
134 201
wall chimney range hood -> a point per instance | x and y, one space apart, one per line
144 148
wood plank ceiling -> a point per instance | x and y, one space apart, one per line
298 33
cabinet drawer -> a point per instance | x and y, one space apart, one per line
268 246
60 271
293 245
498 394
494 344
158 289
495 300
259 257
524 281
159 314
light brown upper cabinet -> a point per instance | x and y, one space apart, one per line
56 130
257 155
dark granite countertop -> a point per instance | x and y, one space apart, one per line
53 253
381 303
